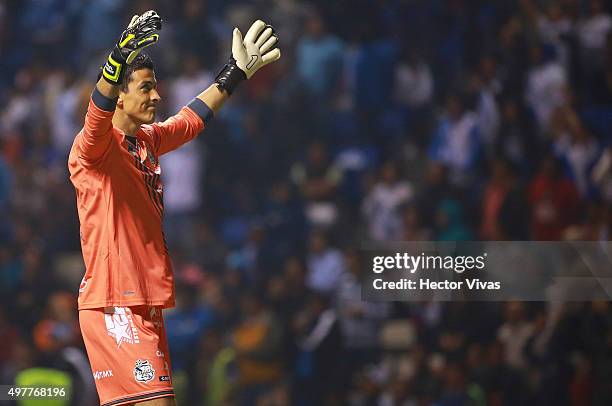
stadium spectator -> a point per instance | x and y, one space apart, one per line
360 322
257 338
487 85
325 264
381 207
413 93
514 333
577 149
546 82
457 140
517 139
495 194
412 224
318 59
319 342
554 202
318 181
451 223
592 32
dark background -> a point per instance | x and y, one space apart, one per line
384 120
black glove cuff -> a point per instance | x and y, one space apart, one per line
230 76
114 68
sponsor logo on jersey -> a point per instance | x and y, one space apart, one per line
164 378
103 374
120 326
143 371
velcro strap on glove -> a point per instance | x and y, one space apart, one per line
114 68
230 76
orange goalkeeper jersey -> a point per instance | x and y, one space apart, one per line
120 204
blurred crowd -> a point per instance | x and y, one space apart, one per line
384 120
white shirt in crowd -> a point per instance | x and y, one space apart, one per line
381 209
325 270
488 116
359 331
544 92
414 85
458 148
64 125
592 32
182 168
514 336
580 157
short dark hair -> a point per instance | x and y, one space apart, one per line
142 61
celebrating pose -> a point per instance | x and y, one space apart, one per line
114 167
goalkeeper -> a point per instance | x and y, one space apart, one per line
114 167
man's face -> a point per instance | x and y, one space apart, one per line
140 100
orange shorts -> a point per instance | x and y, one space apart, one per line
128 352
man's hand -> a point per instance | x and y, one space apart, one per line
140 33
248 55
255 50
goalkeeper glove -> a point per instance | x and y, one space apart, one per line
248 55
140 33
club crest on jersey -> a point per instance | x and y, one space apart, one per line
120 326
143 371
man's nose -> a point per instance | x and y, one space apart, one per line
155 95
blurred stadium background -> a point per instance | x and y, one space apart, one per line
384 120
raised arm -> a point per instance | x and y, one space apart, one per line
248 56
256 50
140 33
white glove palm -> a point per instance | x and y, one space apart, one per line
255 51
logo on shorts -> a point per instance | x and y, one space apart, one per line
143 371
121 326
103 374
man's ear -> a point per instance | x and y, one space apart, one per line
120 101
